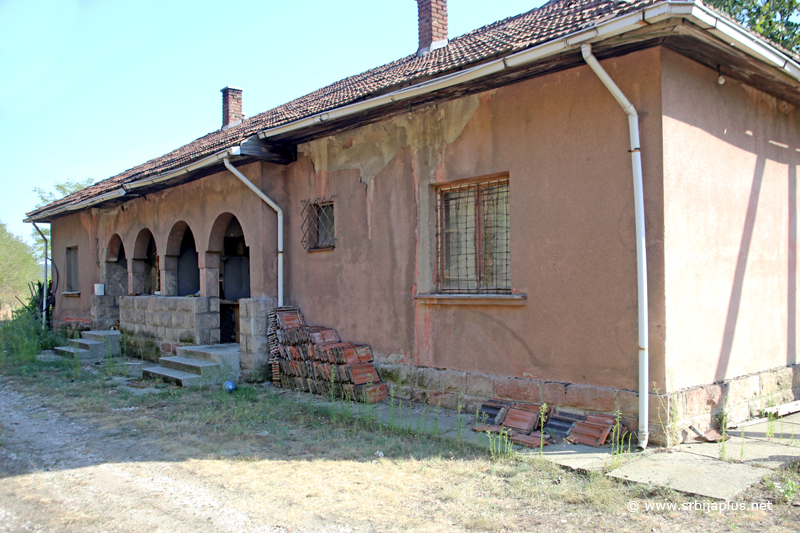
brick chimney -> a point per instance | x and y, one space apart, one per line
231 107
432 19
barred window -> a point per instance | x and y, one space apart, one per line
72 283
319 231
473 238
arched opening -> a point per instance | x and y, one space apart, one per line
116 274
227 242
234 270
145 277
188 271
181 275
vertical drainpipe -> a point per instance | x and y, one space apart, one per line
44 291
277 210
641 251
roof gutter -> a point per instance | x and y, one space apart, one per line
698 14
110 195
124 189
205 162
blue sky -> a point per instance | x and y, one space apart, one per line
91 88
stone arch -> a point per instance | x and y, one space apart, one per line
181 274
144 275
228 250
116 268
113 249
217 237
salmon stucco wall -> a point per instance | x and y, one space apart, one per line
562 140
79 229
730 179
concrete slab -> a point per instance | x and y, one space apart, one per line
692 474
794 418
755 452
582 457
783 429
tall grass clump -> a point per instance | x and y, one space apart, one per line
22 337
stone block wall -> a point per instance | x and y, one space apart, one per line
253 343
670 414
166 322
104 311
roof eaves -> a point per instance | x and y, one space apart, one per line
44 214
277 121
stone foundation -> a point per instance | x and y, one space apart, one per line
671 414
156 325
105 311
253 343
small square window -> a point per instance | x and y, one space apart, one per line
473 238
319 228
72 282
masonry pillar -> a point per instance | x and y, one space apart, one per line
209 273
136 276
169 275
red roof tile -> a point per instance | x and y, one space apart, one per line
555 19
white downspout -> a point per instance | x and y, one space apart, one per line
278 211
641 251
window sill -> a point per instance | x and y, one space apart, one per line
472 299
326 249
71 294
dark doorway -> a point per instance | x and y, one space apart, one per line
234 280
152 276
188 271
117 274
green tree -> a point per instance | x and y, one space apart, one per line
62 189
18 267
770 18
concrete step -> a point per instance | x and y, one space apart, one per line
75 353
170 375
228 355
109 338
96 349
193 366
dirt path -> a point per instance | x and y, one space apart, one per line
60 474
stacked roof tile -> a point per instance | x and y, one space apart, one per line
551 21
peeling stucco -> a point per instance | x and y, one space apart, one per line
370 148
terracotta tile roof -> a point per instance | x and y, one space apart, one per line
550 21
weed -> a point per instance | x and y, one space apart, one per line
784 485
669 410
500 447
542 415
422 422
437 411
460 422
392 394
723 421
741 450
770 425
617 444
400 414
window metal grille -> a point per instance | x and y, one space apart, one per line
473 243
319 231
73 284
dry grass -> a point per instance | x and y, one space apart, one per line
301 466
